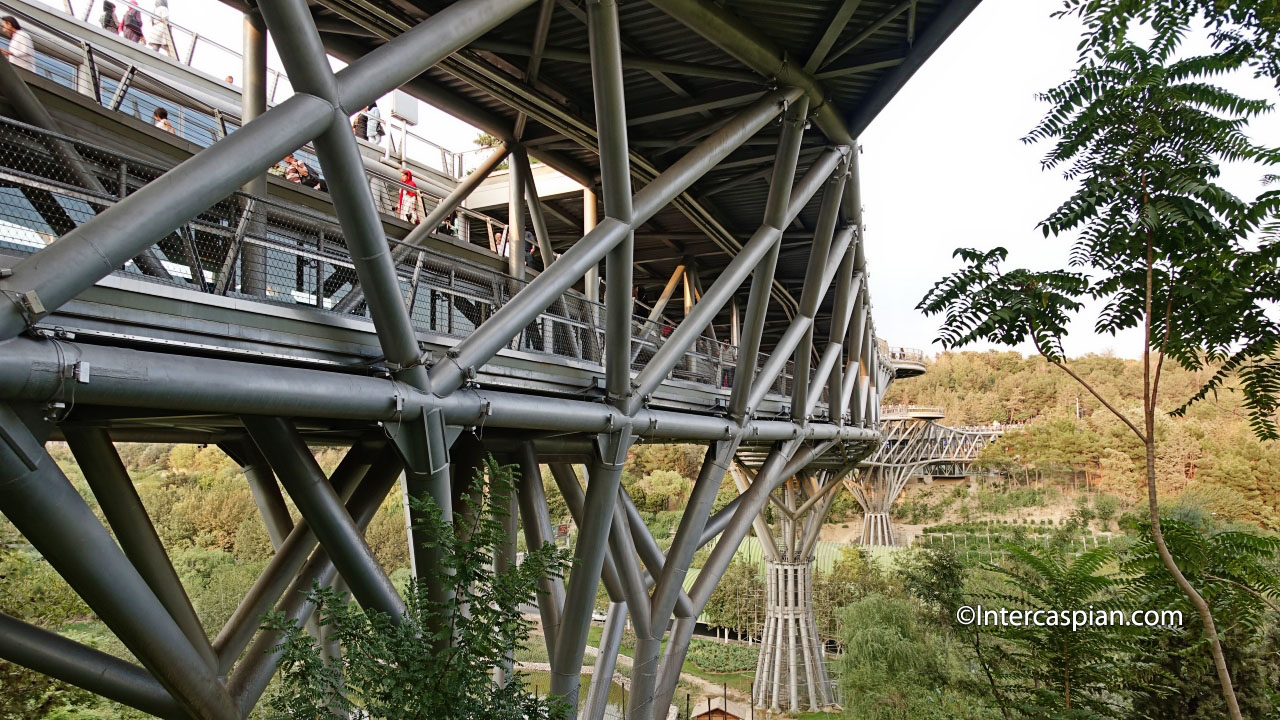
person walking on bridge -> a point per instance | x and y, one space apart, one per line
22 51
408 209
109 21
131 25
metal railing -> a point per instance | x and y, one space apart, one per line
121 87
266 250
196 51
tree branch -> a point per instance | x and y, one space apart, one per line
1087 386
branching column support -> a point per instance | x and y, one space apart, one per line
615 183
538 532
42 504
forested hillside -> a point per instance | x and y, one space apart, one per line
1209 454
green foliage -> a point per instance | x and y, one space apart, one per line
1055 669
437 661
735 603
722 657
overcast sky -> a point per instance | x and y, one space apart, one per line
943 165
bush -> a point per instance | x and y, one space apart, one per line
722 657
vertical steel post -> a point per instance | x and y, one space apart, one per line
516 180
615 182
784 171
591 281
534 203
253 104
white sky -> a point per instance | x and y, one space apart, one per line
943 165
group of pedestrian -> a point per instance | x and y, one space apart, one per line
367 124
131 27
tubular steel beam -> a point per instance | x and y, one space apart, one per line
120 504
545 289
31 370
320 504
84 667
615 181
303 55
516 180
42 504
601 496
534 204
253 104
758 52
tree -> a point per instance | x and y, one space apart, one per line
1236 574
439 660
1053 668
1161 244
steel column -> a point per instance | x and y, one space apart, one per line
815 289
534 203
615 182
606 661
120 504
253 104
516 180
320 504
42 504
602 494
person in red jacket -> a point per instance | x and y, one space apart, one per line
408 208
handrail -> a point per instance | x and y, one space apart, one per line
193 119
302 259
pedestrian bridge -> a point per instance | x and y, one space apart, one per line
170 287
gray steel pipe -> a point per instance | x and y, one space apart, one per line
84 667
604 38
291 555
545 289
32 369
123 509
253 104
320 504
606 661
42 504
516 180
303 55
534 204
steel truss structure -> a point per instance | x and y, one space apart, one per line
913 443
430 419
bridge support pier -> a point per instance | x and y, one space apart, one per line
877 530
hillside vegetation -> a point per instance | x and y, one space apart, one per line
1209 455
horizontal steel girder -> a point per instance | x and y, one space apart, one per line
32 370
